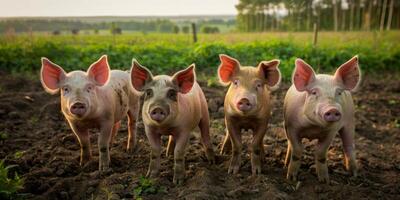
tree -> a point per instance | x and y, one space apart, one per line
389 22
185 29
382 24
176 29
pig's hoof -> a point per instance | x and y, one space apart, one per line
103 167
292 176
256 170
323 179
210 156
233 169
152 174
178 179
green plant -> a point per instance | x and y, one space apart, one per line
18 154
9 186
108 193
33 120
146 186
3 135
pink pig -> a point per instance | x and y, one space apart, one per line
98 98
172 106
319 107
247 106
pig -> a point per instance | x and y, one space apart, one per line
98 98
172 106
318 106
247 106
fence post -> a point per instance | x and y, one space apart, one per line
194 32
315 40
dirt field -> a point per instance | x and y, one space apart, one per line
47 153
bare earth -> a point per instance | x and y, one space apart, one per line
47 153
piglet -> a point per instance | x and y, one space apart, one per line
247 106
98 98
172 106
318 107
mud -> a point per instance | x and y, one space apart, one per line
46 152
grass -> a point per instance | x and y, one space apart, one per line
146 186
167 53
9 186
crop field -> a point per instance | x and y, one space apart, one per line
38 145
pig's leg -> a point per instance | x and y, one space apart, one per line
320 157
296 153
235 136
256 148
114 132
170 146
84 141
155 144
179 156
104 145
204 126
131 144
227 144
288 154
347 135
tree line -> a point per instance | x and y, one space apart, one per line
74 26
333 15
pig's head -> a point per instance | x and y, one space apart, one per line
249 86
162 93
326 93
79 90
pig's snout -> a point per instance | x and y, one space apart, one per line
332 115
78 109
244 105
158 114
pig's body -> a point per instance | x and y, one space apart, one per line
320 108
247 106
99 98
172 106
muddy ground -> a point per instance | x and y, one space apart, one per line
46 153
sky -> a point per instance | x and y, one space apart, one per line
18 8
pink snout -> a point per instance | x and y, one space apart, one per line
158 114
244 105
332 115
78 109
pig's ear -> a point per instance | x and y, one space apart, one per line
228 67
51 75
269 70
349 74
99 71
303 75
185 79
140 76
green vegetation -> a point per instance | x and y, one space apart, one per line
8 186
165 53
146 186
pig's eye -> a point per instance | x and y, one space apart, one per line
149 93
258 86
65 89
89 88
172 94
314 92
236 82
